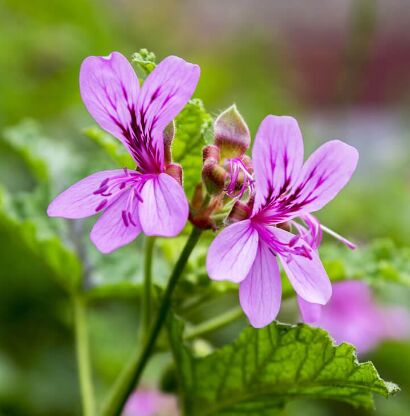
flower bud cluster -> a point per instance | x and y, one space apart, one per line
226 174
225 164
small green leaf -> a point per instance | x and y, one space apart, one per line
263 369
111 146
381 261
28 250
193 131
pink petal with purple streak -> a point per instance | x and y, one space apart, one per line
277 157
164 207
109 88
82 199
260 293
232 253
323 176
305 272
164 94
114 228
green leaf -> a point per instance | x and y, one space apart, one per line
380 261
144 62
28 141
193 131
263 369
29 250
111 146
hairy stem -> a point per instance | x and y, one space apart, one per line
214 323
147 288
130 377
83 357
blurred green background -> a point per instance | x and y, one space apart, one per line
341 67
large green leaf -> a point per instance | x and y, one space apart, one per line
193 131
263 369
111 146
30 250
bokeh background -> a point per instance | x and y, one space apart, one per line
341 67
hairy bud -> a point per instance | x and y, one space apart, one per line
211 152
174 170
231 133
214 177
168 135
240 211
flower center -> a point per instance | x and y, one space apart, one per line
111 188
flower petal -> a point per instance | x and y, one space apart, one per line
232 253
164 210
277 157
164 94
260 293
109 88
79 200
310 312
110 232
324 174
307 275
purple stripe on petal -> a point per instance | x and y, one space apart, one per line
81 199
304 270
163 95
164 208
110 231
277 158
324 174
261 291
109 88
233 252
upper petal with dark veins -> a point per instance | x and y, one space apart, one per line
277 157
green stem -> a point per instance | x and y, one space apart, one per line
130 377
214 323
147 288
223 320
83 357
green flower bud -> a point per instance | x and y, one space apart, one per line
231 133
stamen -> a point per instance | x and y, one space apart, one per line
334 234
124 218
100 190
236 167
111 187
101 205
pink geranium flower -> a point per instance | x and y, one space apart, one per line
146 199
150 402
352 315
247 251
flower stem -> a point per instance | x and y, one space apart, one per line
147 288
130 377
220 321
214 323
83 356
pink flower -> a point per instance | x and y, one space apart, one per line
146 402
353 316
246 252
146 199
